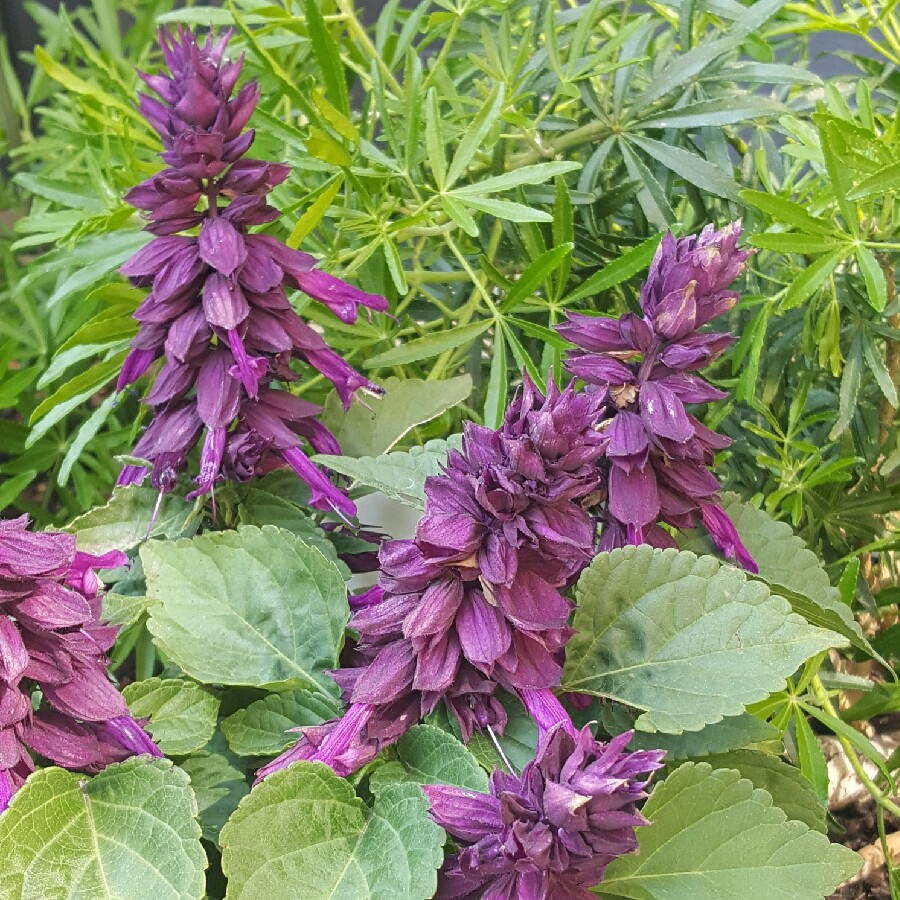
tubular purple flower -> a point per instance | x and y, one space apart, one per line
550 833
53 641
657 459
544 707
220 295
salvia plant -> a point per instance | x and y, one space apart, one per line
452 456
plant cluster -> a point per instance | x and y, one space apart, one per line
602 658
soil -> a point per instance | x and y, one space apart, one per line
855 827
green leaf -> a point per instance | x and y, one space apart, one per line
505 209
629 263
476 132
536 274
732 733
876 286
812 278
683 638
783 210
790 791
129 832
498 384
375 426
851 379
400 475
434 139
428 346
727 110
314 213
124 522
262 728
839 174
218 786
429 755
689 166
811 758
83 437
304 826
789 568
791 242
878 369
458 212
253 607
884 181
182 714
714 836
328 56
536 174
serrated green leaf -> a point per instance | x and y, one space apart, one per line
305 826
129 832
788 566
476 132
218 786
884 181
429 755
783 210
253 607
182 714
262 728
683 638
714 835
727 110
400 476
124 522
505 209
790 791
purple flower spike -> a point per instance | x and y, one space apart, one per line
550 833
217 310
657 459
473 604
52 640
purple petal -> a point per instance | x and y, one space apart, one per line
663 413
224 302
222 246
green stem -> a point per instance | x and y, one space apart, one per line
877 794
360 33
144 655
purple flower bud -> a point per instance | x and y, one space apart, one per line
550 832
721 529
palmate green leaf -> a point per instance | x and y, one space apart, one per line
684 639
505 209
374 426
182 714
124 522
458 212
788 566
254 607
83 437
536 174
652 196
851 379
790 791
262 728
536 274
304 826
129 833
726 110
498 384
792 242
783 210
428 346
713 835
429 755
629 263
885 181
476 132
689 166
813 277
399 475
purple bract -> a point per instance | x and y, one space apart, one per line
52 640
550 833
643 369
